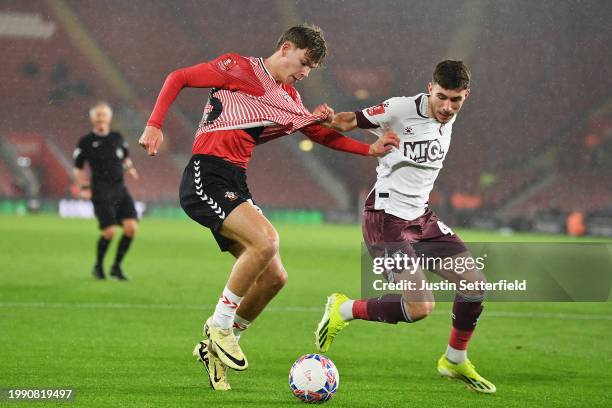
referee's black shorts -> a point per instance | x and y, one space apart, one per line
112 206
210 190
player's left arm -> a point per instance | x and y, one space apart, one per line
337 141
204 75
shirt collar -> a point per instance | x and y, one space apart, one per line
263 65
424 108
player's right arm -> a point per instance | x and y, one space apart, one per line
344 121
370 118
205 75
80 157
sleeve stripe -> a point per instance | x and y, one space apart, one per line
363 122
417 101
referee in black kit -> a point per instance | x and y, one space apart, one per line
107 154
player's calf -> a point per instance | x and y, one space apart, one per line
390 308
273 283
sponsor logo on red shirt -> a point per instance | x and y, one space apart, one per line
226 64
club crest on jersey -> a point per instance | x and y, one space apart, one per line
226 64
424 151
230 195
408 131
377 110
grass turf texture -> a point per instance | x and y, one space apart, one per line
129 344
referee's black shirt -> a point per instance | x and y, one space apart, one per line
105 155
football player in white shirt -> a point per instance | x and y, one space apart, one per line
397 220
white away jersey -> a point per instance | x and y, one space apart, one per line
406 175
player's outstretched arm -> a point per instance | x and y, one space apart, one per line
384 144
325 133
203 75
343 121
337 141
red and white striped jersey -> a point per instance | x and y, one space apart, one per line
246 107
276 107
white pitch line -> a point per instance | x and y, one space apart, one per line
286 309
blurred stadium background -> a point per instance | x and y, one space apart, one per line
531 151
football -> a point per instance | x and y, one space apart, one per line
314 378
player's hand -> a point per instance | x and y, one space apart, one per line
384 144
326 112
85 194
132 172
151 139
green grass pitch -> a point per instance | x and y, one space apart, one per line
129 344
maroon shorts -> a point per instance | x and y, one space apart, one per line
425 236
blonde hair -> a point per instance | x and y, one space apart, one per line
100 104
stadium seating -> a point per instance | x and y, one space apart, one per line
7 183
518 109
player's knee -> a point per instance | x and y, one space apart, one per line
130 228
108 233
419 310
476 289
267 248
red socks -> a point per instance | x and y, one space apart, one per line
459 339
360 309
465 316
386 308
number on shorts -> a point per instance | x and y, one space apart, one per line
445 229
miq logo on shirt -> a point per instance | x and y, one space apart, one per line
424 151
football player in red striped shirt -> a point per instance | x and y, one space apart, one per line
252 101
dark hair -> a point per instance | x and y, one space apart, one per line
308 37
451 74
